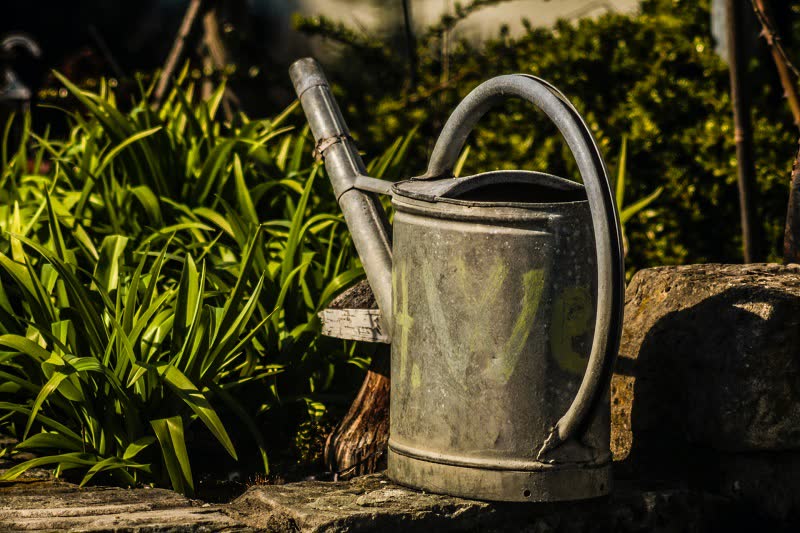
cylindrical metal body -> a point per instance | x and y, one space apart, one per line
494 307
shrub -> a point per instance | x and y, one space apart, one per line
162 279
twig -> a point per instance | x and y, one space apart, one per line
420 96
218 56
591 6
743 131
791 233
782 62
177 49
425 95
213 39
411 43
376 454
772 35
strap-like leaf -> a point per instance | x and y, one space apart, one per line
65 461
198 403
169 432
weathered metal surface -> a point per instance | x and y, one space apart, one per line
494 315
504 321
605 222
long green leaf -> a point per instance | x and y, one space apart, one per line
169 432
198 403
64 461
639 205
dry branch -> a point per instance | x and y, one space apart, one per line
782 62
177 49
743 131
791 234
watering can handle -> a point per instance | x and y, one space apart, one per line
605 222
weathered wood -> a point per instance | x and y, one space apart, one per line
782 63
177 49
353 324
358 443
743 131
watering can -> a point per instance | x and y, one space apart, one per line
503 295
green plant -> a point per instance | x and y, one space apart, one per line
125 363
626 212
161 279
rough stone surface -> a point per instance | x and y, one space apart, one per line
710 357
368 503
34 504
767 483
372 503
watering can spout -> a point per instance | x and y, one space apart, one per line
355 191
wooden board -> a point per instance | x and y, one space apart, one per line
354 324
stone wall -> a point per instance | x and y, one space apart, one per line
707 384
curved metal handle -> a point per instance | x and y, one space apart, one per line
605 222
19 40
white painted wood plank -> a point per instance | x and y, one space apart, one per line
354 324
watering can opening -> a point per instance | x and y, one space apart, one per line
516 188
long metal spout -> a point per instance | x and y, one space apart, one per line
362 210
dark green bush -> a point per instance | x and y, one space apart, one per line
652 77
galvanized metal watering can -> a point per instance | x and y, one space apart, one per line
503 295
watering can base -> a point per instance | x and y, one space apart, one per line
548 485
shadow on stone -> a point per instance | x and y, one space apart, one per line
708 381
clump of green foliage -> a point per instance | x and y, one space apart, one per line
160 275
652 77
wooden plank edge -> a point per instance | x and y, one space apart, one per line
354 324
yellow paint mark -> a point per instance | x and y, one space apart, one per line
416 376
532 287
452 346
492 283
572 314
403 321
478 304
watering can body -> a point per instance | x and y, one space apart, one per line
502 294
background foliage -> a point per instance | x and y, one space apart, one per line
652 77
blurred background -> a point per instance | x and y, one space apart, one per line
652 72
86 39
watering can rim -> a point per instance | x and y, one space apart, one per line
448 190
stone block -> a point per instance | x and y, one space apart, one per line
373 503
710 357
32 504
